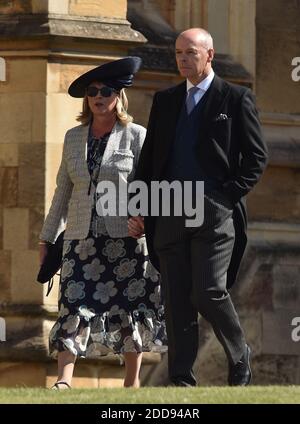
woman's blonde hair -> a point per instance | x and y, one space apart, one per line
121 110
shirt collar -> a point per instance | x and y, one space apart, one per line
204 84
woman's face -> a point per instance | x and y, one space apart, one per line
101 105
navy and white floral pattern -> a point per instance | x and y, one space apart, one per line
107 314
93 270
74 291
125 269
114 250
85 248
104 291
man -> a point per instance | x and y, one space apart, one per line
204 129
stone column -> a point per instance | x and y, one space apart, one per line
232 25
44 45
242 34
190 14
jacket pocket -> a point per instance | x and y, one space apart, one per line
123 160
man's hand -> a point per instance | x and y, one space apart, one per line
136 226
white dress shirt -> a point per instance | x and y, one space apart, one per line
203 86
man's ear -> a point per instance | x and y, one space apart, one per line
211 54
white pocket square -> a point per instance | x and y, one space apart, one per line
221 117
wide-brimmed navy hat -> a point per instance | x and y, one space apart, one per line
117 74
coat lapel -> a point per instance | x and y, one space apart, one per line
84 139
216 97
173 107
113 142
177 100
82 148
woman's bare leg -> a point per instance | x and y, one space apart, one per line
133 363
66 361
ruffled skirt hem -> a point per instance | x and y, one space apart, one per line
88 335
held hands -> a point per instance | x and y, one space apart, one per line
136 226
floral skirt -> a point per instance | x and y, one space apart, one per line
109 299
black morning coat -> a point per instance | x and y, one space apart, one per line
231 151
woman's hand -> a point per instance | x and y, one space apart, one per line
43 252
136 226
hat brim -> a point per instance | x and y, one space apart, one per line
117 74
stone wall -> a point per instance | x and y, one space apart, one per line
100 8
22 121
44 46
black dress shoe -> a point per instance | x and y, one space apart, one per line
240 373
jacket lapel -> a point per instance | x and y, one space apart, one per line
216 96
175 102
113 143
83 142
83 133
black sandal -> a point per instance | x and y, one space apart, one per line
56 385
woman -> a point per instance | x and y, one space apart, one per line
109 297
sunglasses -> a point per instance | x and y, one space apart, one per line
93 91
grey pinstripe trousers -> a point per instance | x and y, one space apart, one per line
193 265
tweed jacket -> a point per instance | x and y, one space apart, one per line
71 205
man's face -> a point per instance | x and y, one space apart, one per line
192 57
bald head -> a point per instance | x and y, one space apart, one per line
198 35
194 54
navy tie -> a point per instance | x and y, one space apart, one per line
190 101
